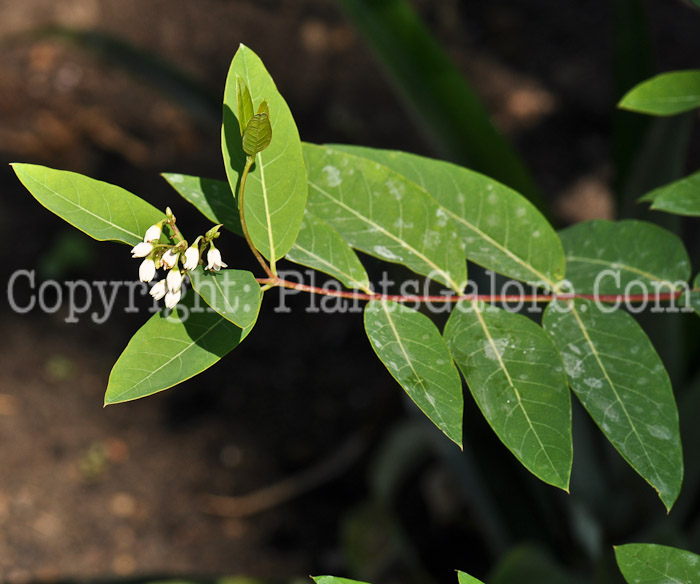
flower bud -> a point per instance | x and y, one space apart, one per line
147 270
214 259
191 258
141 250
170 258
153 233
172 298
158 290
174 280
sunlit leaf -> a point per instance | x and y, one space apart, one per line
257 134
321 247
606 257
681 197
516 377
334 580
643 563
105 212
245 104
465 578
665 95
378 211
234 294
276 187
168 349
620 379
412 349
501 230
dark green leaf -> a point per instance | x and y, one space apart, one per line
378 211
501 230
681 197
620 379
605 257
516 377
105 212
642 563
530 564
234 294
665 95
257 135
412 349
245 104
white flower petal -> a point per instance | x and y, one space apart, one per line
158 290
152 233
214 260
191 258
172 298
141 250
147 270
174 280
170 258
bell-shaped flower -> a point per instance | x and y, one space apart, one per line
147 270
158 290
174 280
214 259
141 250
172 298
191 258
169 259
152 233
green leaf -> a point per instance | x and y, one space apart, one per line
334 580
245 104
516 377
168 349
105 212
681 197
412 349
234 294
642 255
665 95
321 247
378 211
257 135
213 198
642 563
465 578
502 231
276 187
530 564
620 379
694 296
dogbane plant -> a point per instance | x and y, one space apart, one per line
318 205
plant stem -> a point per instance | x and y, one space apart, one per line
241 211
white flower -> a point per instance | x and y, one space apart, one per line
147 270
172 298
141 250
170 258
174 280
214 259
152 233
191 258
158 290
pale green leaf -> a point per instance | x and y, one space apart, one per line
412 349
105 212
276 187
213 198
321 247
245 104
681 197
502 231
665 95
334 580
606 257
378 211
465 578
643 563
168 349
620 379
516 377
234 294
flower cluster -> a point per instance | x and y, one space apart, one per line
176 259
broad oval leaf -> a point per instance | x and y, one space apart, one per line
620 380
234 294
105 212
321 247
213 198
276 187
412 349
606 257
502 231
516 377
681 197
168 349
645 563
257 134
665 95
378 211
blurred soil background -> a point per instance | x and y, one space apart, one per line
89 492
